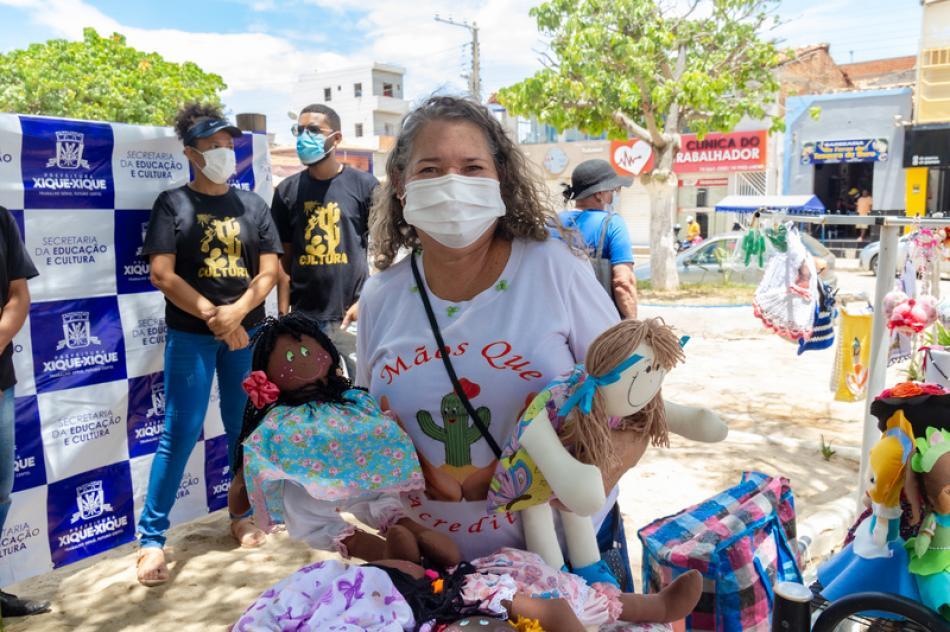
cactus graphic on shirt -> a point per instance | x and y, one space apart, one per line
457 431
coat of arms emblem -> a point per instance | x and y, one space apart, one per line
69 147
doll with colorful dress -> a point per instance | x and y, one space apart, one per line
314 447
930 550
562 442
875 560
394 595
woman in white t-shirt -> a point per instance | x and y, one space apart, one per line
515 309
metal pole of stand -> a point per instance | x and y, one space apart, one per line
791 611
877 365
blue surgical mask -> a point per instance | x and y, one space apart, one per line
311 148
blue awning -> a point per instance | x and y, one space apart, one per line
794 204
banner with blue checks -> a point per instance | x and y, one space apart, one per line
90 398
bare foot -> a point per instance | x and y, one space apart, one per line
401 544
150 567
246 533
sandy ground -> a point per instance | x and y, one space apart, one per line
753 378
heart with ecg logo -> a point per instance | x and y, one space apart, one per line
632 156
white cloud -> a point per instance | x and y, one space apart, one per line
261 66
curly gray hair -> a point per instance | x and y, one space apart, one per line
529 213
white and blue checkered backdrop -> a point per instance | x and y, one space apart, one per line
90 398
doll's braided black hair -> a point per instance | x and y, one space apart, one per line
297 325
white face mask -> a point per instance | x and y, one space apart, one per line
454 210
220 164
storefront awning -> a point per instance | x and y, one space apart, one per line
800 204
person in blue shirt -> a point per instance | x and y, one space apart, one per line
594 189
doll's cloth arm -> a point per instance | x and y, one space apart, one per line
577 485
925 535
697 424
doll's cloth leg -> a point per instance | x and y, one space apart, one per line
511 571
540 535
330 595
316 522
378 512
583 551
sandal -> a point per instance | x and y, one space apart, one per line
145 565
247 534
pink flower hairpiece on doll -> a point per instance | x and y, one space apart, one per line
260 390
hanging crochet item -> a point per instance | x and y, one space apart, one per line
786 298
850 379
753 246
926 248
823 334
909 315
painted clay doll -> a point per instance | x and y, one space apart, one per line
876 560
562 441
930 550
313 447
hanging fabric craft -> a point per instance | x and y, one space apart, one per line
823 334
850 378
786 298
753 247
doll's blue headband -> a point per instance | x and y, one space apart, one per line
584 395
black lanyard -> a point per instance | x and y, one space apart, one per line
482 428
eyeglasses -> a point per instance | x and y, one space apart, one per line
314 129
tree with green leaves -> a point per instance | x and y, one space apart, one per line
101 78
652 69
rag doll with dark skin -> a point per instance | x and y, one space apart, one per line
553 614
313 446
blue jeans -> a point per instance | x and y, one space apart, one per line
7 416
190 364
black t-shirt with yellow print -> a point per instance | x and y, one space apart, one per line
326 222
217 241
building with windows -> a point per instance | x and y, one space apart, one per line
927 140
369 100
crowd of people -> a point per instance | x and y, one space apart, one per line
471 262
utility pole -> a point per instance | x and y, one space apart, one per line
475 77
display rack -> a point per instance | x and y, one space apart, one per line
887 260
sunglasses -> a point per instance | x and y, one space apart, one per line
296 129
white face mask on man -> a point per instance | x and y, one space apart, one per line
454 210
220 164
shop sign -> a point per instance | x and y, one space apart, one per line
737 151
927 146
835 151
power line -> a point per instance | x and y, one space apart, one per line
475 77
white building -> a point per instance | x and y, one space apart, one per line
369 100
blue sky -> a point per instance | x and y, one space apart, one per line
260 47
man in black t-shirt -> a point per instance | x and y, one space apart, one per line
15 268
322 215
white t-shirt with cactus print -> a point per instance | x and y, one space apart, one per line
506 345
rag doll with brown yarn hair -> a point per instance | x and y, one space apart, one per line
562 441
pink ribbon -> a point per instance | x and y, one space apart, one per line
260 390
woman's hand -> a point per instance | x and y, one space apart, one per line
236 340
224 319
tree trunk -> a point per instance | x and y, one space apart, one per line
662 187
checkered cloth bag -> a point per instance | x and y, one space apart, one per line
742 541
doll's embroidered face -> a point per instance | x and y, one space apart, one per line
294 363
637 385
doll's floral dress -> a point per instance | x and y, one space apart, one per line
337 452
